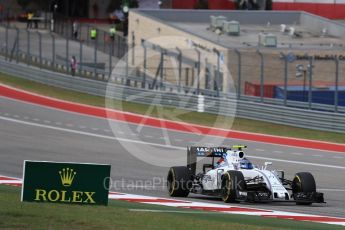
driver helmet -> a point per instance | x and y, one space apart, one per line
246 164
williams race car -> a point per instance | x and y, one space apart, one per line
231 176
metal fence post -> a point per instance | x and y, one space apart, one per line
336 92
104 40
118 46
218 69
143 84
310 93
59 26
67 32
285 78
28 48
162 68
62 28
40 48
239 73
179 57
111 40
67 54
80 57
110 58
95 55
133 49
17 45
261 75
45 19
87 35
125 45
8 16
198 77
80 31
53 53
127 64
6 43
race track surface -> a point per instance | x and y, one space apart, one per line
31 132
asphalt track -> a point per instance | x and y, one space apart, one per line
39 133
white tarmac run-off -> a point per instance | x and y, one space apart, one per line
204 206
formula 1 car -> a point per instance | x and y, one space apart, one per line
234 178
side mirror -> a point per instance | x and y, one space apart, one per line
267 163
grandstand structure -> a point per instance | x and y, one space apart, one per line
265 53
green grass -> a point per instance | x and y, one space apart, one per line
17 215
176 114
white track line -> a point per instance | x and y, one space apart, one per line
182 123
338 157
260 150
172 211
298 162
89 134
277 151
155 144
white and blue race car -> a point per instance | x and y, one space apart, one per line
231 176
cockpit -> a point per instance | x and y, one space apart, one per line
246 164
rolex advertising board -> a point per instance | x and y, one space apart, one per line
72 183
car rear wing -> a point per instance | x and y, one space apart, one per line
194 152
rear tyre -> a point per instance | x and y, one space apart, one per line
232 182
179 181
303 182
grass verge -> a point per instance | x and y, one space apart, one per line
206 119
118 215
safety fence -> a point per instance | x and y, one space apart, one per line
186 99
286 78
54 52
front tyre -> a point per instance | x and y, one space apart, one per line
179 181
303 182
232 182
